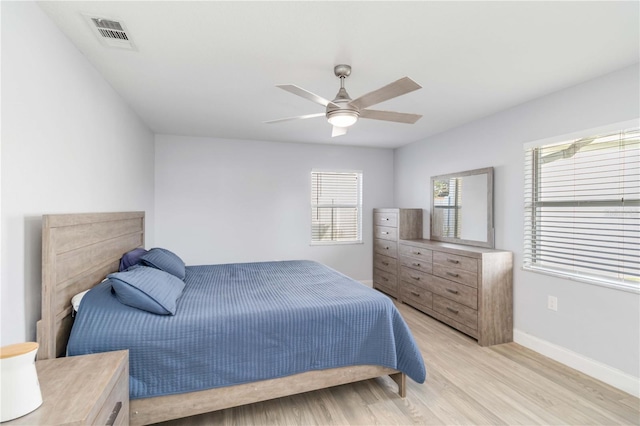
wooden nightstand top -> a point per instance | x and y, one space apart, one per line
76 389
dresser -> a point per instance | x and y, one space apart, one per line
390 226
469 288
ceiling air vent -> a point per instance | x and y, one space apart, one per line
110 32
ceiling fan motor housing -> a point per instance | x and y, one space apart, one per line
342 107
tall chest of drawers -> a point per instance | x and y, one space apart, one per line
469 288
390 226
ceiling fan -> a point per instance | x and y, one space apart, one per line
343 112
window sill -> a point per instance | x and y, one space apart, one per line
630 288
334 243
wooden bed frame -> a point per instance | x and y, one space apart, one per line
79 250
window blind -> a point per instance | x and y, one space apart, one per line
582 209
336 206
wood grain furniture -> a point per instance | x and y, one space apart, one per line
79 250
469 288
82 390
390 226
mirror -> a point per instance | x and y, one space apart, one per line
462 207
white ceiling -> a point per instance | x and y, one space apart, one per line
210 68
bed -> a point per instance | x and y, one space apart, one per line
79 250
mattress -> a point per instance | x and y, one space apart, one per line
240 323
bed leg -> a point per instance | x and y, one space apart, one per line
401 380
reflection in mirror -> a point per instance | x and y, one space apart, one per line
461 207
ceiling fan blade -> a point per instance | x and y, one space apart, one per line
300 117
338 131
292 88
392 90
399 117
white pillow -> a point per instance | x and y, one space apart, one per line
75 300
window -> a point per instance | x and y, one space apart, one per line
336 207
447 202
582 209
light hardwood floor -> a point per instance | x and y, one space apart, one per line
466 384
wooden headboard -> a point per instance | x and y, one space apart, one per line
78 251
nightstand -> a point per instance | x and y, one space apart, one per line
82 390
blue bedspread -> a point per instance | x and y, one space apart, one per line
240 323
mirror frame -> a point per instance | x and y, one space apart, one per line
489 243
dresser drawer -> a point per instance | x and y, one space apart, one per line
385 247
415 252
115 410
456 274
460 262
420 265
387 279
386 232
459 293
416 296
386 285
456 311
386 219
391 291
414 277
386 263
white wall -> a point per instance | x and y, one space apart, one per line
224 201
69 145
595 322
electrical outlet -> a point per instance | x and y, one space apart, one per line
552 303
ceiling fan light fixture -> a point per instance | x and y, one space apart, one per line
342 118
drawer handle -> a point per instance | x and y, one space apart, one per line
415 294
385 263
415 278
385 218
453 261
386 248
114 414
416 252
385 279
455 311
384 233
450 290
451 274
415 264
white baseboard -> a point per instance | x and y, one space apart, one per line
368 283
614 377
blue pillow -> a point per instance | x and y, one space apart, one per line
148 289
164 260
131 258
